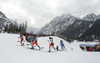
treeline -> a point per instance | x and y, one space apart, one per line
15 27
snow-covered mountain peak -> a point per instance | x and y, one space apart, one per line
63 15
90 17
2 15
69 15
98 16
58 24
66 16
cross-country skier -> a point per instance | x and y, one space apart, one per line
62 45
34 41
21 36
51 43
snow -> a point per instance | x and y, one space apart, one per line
12 52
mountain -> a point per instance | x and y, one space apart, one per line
58 24
3 18
2 15
98 16
90 17
3 21
93 32
68 25
77 28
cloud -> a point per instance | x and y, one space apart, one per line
39 12
80 7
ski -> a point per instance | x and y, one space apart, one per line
51 51
18 41
36 49
63 50
41 48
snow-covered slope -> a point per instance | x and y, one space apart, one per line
12 52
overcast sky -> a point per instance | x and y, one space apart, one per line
39 12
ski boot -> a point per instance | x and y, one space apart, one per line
22 44
49 51
39 47
32 47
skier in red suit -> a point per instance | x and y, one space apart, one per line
21 36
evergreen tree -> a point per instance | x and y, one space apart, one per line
14 28
6 28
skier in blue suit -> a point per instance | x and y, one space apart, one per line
62 45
